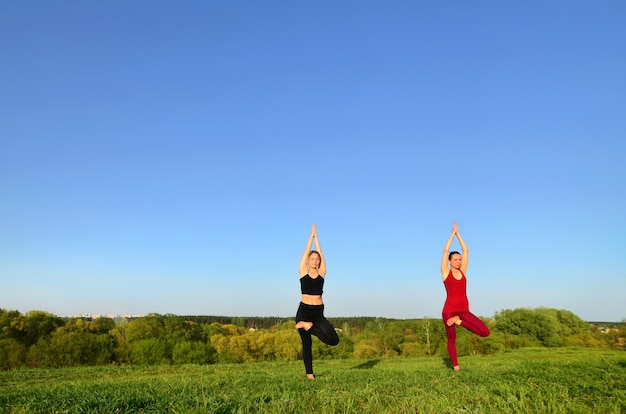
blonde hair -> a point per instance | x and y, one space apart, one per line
317 253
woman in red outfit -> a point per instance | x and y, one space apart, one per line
456 309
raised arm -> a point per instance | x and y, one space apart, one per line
318 247
445 270
303 269
465 256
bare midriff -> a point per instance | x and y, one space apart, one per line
312 299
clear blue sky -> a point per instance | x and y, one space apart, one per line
170 157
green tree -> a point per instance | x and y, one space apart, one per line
583 340
9 325
36 325
220 343
433 336
147 327
615 337
239 348
568 323
262 345
365 350
77 343
534 323
102 325
413 349
213 328
193 352
12 354
287 345
486 346
121 353
392 337
151 351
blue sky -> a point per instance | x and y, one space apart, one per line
170 157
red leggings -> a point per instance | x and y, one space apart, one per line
468 321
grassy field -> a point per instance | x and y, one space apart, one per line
532 380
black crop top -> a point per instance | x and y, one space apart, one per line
310 286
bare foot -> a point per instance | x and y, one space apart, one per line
310 376
304 325
456 367
453 320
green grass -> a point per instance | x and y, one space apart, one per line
532 380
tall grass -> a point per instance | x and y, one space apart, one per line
532 380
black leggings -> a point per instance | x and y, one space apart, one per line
321 328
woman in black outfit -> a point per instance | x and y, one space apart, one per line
310 318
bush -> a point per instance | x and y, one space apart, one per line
12 354
364 350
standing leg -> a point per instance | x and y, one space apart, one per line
451 335
303 315
307 351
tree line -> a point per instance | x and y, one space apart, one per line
40 339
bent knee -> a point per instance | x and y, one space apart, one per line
332 340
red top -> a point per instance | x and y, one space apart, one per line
456 300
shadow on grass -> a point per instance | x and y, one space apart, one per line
367 365
446 361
